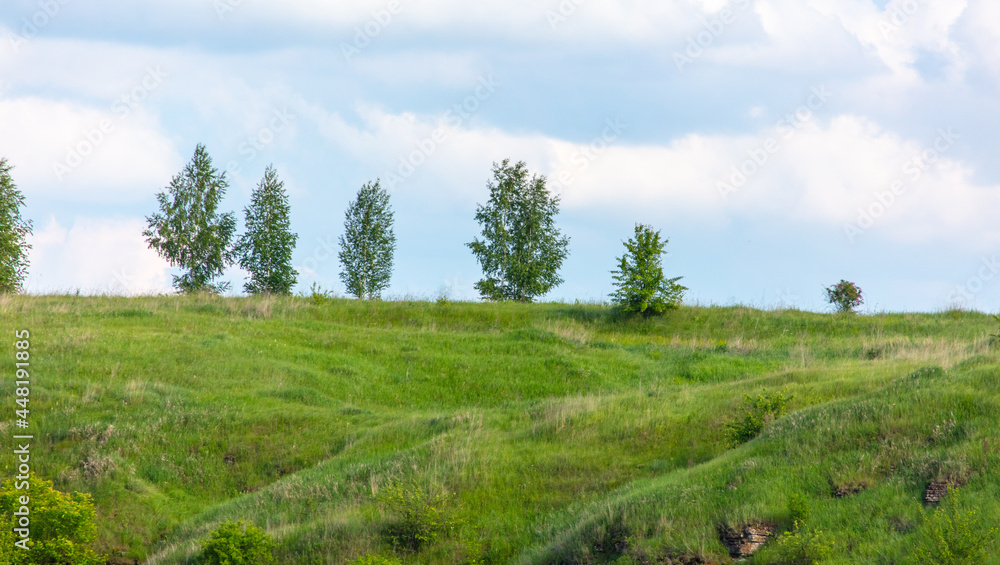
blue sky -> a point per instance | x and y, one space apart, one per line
780 145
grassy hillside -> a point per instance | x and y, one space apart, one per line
548 433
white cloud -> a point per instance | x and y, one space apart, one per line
96 256
982 28
59 150
820 173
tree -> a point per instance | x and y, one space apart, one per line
845 296
368 243
641 284
61 526
14 232
265 250
522 250
189 232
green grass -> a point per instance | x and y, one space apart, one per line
560 433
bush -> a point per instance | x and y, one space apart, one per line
237 543
846 296
376 560
801 547
758 412
417 517
798 508
318 296
62 525
954 536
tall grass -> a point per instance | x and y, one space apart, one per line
560 433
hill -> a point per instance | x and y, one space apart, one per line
545 433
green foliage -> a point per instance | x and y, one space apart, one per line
758 412
641 286
237 543
522 250
265 250
62 525
798 508
846 296
14 232
954 535
800 547
188 231
376 560
416 517
318 296
368 243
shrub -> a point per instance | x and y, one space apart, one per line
237 543
318 296
62 525
758 412
417 518
954 536
798 508
801 547
846 296
376 560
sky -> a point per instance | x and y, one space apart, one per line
780 145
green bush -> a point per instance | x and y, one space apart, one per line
798 508
954 536
758 412
376 560
318 296
800 547
237 543
846 296
417 518
62 525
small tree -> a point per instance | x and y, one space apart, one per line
189 232
265 250
846 296
639 277
14 232
368 243
522 250
61 525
